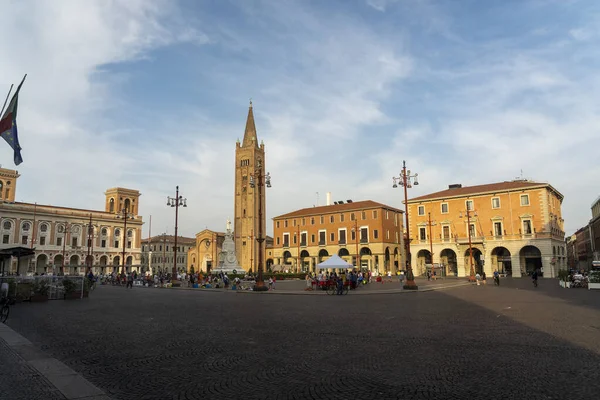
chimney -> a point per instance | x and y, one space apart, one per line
328 199
455 186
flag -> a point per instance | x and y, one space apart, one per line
8 125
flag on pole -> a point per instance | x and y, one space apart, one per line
8 125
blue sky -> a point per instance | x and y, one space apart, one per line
150 94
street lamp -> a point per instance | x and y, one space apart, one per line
431 223
355 230
90 251
468 214
64 229
124 214
258 178
297 234
176 202
406 180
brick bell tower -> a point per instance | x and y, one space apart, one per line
247 200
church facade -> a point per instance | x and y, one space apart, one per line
249 161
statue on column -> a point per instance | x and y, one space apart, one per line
228 262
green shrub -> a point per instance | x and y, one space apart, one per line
563 274
41 287
594 277
69 285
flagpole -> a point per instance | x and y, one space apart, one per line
5 100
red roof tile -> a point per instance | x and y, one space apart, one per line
480 189
336 208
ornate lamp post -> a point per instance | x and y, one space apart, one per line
65 229
124 214
176 202
355 230
297 234
468 214
258 178
406 180
90 251
431 223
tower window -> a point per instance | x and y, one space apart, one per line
245 163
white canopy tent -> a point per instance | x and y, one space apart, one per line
334 262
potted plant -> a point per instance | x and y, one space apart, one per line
563 278
594 280
70 289
40 290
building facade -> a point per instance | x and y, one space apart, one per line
594 226
364 233
515 227
249 160
69 240
158 253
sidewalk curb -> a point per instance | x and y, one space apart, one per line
357 293
68 382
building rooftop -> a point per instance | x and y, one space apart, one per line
336 208
170 239
460 191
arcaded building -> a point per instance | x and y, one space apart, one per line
66 240
366 234
515 227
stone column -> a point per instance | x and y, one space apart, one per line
516 266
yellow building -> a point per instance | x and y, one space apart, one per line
515 227
62 239
158 253
307 237
249 159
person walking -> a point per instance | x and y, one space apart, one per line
129 280
496 278
534 278
483 277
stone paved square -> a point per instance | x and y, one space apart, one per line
507 342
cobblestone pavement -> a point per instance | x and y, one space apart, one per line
18 381
453 344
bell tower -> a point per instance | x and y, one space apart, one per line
119 198
247 202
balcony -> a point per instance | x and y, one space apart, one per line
474 239
302 244
342 242
321 243
364 240
286 244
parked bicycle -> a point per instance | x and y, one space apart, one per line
5 308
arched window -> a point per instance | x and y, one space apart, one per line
43 228
117 232
26 226
104 232
129 233
112 205
7 225
127 204
1 187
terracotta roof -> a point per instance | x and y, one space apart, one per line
336 208
480 189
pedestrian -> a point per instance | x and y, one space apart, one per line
129 280
496 278
483 277
271 283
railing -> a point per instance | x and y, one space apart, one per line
23 288
321 243
342 241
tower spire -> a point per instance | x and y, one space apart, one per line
250 138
